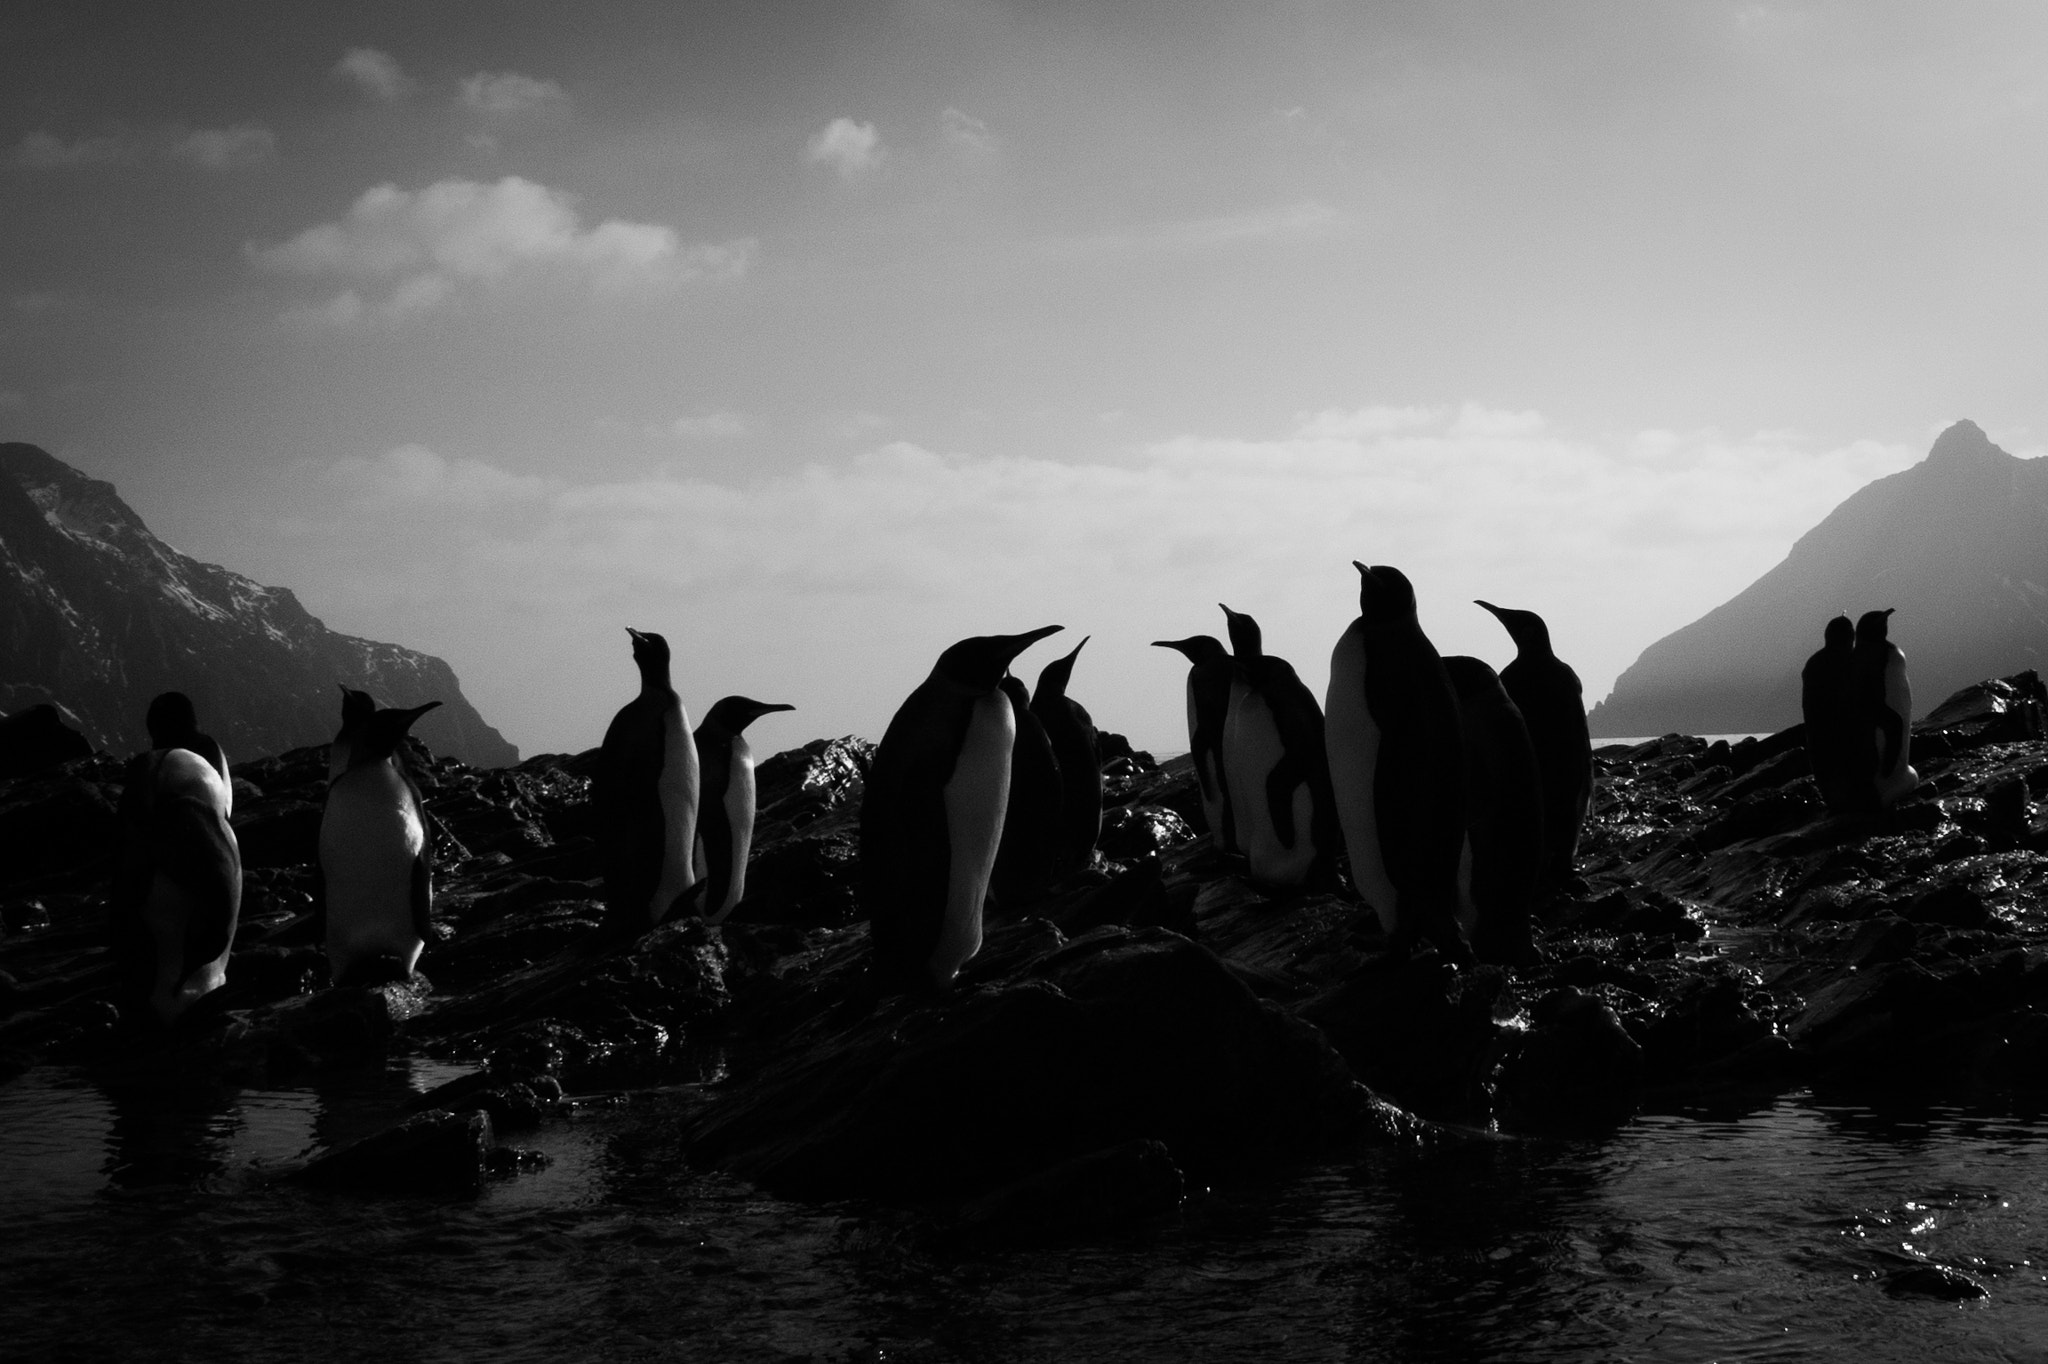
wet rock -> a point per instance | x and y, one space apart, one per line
1943 1283
1135 831
61 823
1576 1066
337 1026
1105 1190
804 880
1421 1032
438 1152
1951 905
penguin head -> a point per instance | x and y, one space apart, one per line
979 662
648 649
1874 627
1525 628
1053 678
1840 634
1384 593
1245 639
171 720
356 706
1199 649
383 732
734 713
1474 679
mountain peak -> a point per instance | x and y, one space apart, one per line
1964 444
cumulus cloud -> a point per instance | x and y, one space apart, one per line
507 94
377 74
851 149
966 134
423 247
245 144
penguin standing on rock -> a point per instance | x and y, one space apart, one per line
645 789
1394 764
725 816
177 896
1275 760
356 708
1075 743
1208 709
1553 704
1885 699
374 859
1844 762
1028 858
931 817
1503 817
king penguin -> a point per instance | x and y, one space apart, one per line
1885 698
177 897
1503 817
1553 704
1028 857
1844 764
1074 742
645 789
1276 763
173 723
374 858
931 817
1208 690
356 708
725 817
1395 767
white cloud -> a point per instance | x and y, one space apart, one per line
376 73
507 94
966 134
428 244
712 426
849 148
245 144
1281 225
415 475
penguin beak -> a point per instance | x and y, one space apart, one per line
1017 644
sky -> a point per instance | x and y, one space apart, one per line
818 336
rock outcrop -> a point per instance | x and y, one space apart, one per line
98 615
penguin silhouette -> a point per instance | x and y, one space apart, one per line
1503 817
172 723
375 861
1553 705
1395 765
1078 748
1844 764
931 817
645 789
1885 700
356 708
1028 857
1276 763
1208 695
725 815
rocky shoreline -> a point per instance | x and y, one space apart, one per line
1156 1021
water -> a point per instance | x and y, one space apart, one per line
132 1227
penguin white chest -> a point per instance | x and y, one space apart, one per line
677 791
1352 734
371 836
1252 748
976 796
737 801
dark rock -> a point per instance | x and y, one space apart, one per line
35 739
56 824
1418 1031
1134 831
439 1152
1886 938
1951 905
1944 1283
806 880
1576 1066
1106 1190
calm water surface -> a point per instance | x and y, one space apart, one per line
133 1226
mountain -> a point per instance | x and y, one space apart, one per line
99 615
1958 544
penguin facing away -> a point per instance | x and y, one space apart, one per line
725 815
1275 760
1553 704
1885 699
1503 851
177 896
1074 742
172 723
1395 765
931 817
374 857
1028 857
1844 764
646 788
1208 692
356 708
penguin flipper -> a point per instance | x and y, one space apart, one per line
1893 732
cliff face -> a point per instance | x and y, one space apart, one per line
1958 544
99 615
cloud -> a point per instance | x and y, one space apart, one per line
245 144
416 476
849 148
423 247
966 134
376 74
712 426
1280 225
508 94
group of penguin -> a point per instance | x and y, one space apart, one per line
1456 793
1857 705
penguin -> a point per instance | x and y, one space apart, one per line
1275 761
645 789
1028 857
1844 767
1075 743
356 707
1208 692
725 817
177 895
1503 851
172 723
1553 705
931 817
1885 700
375 862
1396 766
